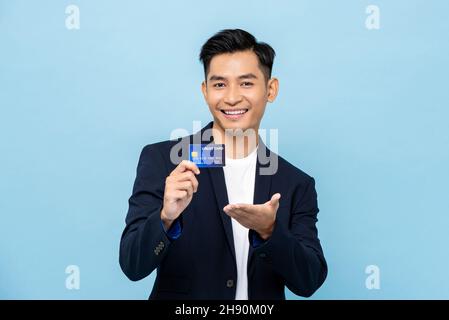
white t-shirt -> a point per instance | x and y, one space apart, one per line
240 177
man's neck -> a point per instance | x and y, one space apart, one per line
236 145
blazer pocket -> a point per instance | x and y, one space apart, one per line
173 284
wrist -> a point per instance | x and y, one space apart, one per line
266 233
166 221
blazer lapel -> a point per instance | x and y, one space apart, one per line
262 182
262 185
221 194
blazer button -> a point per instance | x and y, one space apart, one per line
230 283
263 255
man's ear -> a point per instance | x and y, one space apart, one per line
204 89
273 89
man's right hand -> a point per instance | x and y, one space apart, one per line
180 186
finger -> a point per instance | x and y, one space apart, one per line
247 208
178 195
195 184
185 185
231 212
230 207
234 210
188 176
184 176
186 165
275 199
241 217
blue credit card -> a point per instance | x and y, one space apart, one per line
207 155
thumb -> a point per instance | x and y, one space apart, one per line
275 199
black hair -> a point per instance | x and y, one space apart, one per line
233 40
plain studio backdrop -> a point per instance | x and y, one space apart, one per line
362 109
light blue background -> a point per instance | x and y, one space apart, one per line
364 112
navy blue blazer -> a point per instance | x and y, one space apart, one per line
201 264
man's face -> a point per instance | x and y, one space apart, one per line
237 91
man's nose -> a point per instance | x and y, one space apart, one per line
232 96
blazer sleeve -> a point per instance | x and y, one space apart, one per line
144 241
294 250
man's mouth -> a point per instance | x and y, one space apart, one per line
234 114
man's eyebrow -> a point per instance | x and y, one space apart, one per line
248 76
243 76
216 78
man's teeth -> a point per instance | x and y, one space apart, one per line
234 111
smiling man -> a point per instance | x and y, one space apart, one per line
232 232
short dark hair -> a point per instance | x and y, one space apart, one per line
233 40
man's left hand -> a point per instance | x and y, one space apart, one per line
258 217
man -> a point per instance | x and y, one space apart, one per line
234 232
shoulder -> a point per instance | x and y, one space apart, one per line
297 185
168 151
291 174
158 147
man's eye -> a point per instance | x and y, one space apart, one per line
247 84
219 85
